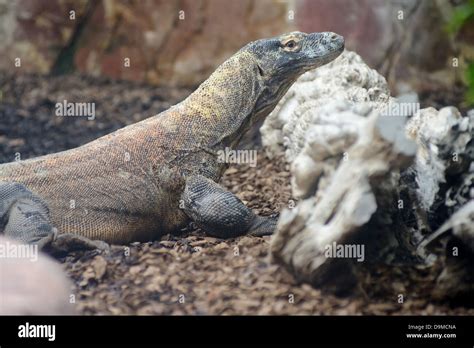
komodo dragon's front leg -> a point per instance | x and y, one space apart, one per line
219 212
25 217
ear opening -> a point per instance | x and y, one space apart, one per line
260 70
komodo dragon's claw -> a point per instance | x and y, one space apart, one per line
67 242
263 226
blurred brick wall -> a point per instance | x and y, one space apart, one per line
165 48
163 44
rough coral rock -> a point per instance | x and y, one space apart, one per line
444 182
352 193
445 149
366 177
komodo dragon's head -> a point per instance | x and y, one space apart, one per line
281 60
247 86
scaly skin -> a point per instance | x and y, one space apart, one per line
128 185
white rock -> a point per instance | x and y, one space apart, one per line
441 135
353 157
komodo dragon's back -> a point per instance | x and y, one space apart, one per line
117 188
153 177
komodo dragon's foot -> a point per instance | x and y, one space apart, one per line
67 242
219 212
25 217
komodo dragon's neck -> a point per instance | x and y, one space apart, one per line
219 112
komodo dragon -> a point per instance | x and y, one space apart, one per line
155 176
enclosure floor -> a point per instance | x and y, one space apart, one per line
188 273
195 274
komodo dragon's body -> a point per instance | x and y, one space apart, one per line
155 176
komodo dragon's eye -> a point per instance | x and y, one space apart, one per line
291 46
